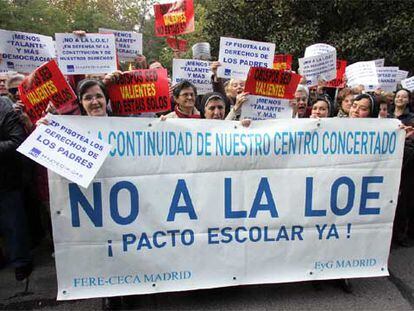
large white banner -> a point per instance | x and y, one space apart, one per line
238 55
191 204
198 72
88 54
24 52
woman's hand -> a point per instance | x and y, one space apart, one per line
111 77
240 100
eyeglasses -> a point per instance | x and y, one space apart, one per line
187 95
90 97
13 90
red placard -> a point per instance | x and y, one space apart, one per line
339 82
139 91
174 18
46 84
282 62
177 44
272 83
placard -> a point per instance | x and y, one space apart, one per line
272 83
401 75
362 73
282 62
46 84
201 50
264 108
237 56
408 84
387 78
88 54
177 44
66 149
128 43
339 81
24 52
198 72
140 91
320 67
174 18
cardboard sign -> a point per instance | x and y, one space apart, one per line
187 204
282 62
379 62
177 44
317 68
264 108
401 75
174 18
66 149
318 49
408 84
339 82
387 78
272 83
128 43
362 73
92 53
24 52
140 91
46 84
201 50
237 56
198 72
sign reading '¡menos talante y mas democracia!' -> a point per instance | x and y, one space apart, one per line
190 204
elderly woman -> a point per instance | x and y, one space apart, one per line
184 94
213 106
344 102
320 108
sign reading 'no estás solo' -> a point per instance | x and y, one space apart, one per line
174 18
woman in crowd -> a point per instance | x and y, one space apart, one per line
213 106
184 94
320 108
344 102
402 110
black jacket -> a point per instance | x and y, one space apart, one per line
12 135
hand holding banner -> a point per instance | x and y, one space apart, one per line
46 84
140 91
174 18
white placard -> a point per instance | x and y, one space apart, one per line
387 78
89 54
66 149
198 72
379 62
318 49
401 75
191 204
128 43
24 52
321 67
362 73
237 56
408 84
263 108
201 50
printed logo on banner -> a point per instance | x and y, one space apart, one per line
35 152
227 72
70 68
10 65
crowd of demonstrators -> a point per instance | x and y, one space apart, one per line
21 204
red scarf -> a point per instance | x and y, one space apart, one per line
185 116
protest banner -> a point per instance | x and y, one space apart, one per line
401 75
201 50
24 52
192 204
237 56
339 82
177 44
198 72
282 61
174 18
319 64
408 84
46 84
140 91
387 78
362 73
270 91
128 43
88 54
66 149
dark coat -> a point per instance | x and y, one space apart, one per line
12 134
